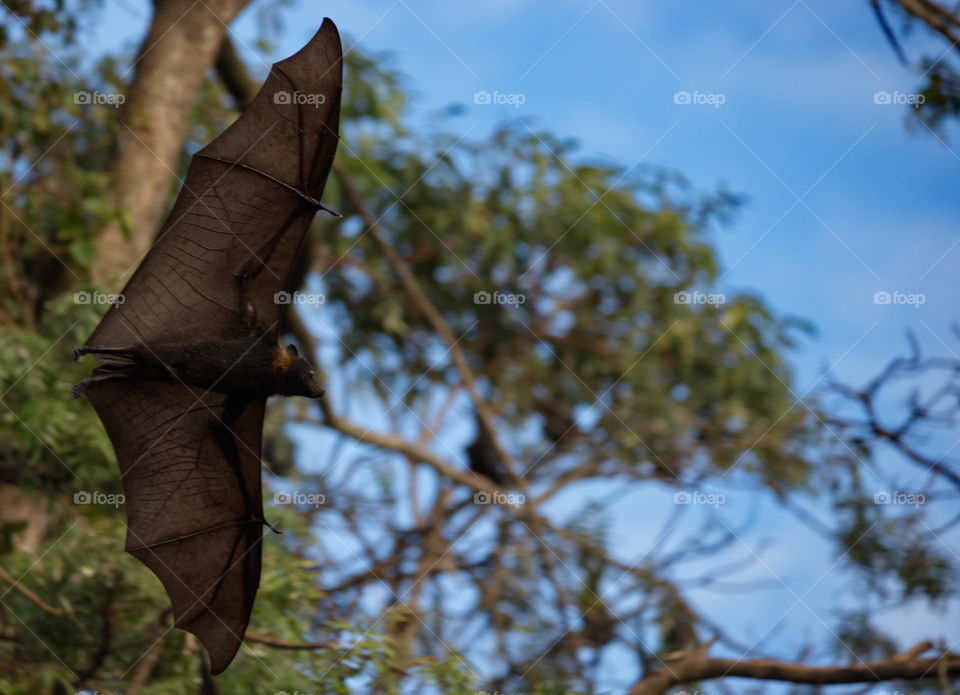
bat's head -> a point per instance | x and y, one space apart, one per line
297 377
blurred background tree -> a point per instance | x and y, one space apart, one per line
940 88
504 324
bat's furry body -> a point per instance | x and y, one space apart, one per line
239 367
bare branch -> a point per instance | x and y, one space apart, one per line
426 307
277 643
43 605
697 667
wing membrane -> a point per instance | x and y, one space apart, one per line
253 182
190 463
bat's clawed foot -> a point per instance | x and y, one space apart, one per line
114 356
103 373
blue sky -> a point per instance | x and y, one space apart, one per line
878 208
798 80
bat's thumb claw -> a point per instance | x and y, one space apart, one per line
330 211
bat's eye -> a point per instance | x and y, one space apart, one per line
312 374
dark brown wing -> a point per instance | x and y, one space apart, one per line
252 186
190 463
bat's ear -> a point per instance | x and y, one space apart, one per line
292 349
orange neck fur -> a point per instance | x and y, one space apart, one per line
282 360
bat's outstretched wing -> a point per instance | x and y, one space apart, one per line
230 241
190 462
191 459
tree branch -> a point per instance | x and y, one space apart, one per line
697 667
43 605
277 643
421 454
426 307
143 669
232 71
935 16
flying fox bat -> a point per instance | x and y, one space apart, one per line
190 356
482 458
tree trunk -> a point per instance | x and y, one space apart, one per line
181 44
